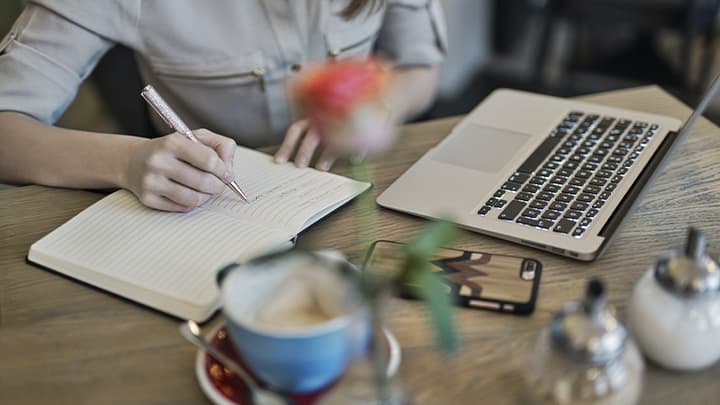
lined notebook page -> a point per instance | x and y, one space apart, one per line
175 255
288 197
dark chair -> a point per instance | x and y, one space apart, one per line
588 20
117 79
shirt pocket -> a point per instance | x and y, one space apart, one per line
249 70
226 94
354 38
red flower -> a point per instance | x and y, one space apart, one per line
331 91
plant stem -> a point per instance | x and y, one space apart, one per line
373 293
366 220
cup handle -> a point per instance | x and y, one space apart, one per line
223 272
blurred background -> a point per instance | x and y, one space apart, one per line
557 47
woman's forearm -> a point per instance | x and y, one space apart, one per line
33 152
412 92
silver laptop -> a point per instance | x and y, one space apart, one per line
546 172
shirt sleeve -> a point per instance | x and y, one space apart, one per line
43 61
413 33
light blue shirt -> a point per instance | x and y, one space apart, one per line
223 65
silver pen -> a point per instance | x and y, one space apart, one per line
173 121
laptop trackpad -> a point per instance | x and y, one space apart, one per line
481 148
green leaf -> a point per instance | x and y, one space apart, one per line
434 294
418 276
421 248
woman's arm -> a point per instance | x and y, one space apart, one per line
170 173
412 92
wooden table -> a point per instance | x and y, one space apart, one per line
65 342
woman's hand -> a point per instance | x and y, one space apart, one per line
173 173
303 137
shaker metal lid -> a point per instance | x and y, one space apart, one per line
691 272
588 330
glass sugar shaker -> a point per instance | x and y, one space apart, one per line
585 356
675 308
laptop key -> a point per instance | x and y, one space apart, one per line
545 196
585 222
574 215
558 206
538 204
544 173
524 196
519 178
531 213
578 231
511 186
571 190
592 212
484 210
552 188
564 226
583 174
538 181
531 188
597 181
570 165
564 172
500 203
584 197
512 210
616 179
491 202
499 193
579 206
598 204
604 174
545 224
539 155
610 187
577 181
592 189
564 198
558 180
551 166
551 215
528 221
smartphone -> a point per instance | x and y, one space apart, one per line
474 279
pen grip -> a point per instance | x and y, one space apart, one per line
166 113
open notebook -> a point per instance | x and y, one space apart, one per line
168 260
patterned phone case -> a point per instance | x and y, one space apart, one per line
474 279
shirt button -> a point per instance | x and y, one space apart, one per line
296 67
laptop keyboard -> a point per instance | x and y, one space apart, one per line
562 186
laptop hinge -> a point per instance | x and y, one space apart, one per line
642 183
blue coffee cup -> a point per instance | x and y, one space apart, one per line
293 353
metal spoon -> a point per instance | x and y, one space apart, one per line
258 395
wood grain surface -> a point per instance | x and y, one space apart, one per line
65 342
